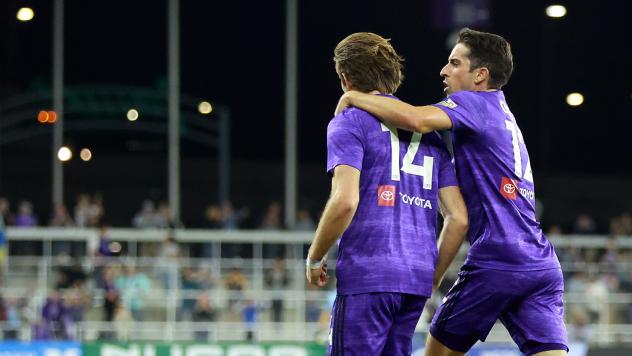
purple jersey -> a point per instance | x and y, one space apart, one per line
390 245
495 175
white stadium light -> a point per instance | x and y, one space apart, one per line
85 154
556 11
574 99
64 154
205 108
25 14
132 115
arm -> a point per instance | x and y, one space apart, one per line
454 229
413 118
340 208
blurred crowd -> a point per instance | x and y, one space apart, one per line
102 285
89 211
120 291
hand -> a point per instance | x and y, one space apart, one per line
317 277
343 103
346 100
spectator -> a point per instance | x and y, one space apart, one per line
249 314
13 319
277 279
5 212
163 218
134 287
101 254
213 217
225 217
168 254
145 218
272 218
41 331
25 217
621 225
95 211
231 219
597 295
626 287
235 283
76 302
203 313
190 284
304 221
554 230
55 316
122 322
111 295
70 273
579 329
584 225
82 210
61 217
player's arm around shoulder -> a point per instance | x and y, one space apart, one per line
339 211
455 225
422 119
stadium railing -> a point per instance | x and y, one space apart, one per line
33 276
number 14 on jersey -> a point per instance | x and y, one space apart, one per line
424 171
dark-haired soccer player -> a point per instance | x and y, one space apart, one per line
511 272
387 188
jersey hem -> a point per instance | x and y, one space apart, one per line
507 267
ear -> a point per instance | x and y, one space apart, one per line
345 81
482 75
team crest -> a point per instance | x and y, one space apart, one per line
448 103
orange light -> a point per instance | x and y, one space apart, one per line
52 117
42 117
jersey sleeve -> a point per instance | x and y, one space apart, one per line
447 172
462 109
345 142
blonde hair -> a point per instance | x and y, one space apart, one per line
369 62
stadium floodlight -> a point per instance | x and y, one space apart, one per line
556 11
132 115
85 154
25 14
574 99
205 108
64 154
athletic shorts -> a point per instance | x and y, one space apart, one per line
374 324
529 303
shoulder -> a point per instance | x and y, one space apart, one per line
352 118
463 99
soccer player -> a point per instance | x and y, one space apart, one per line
511 272
387 188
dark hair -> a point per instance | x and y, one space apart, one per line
490 51
370 62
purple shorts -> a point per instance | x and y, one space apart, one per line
529 303
374 324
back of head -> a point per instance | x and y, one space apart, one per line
370 62
490 51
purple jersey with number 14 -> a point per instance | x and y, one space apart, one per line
390 245
496 181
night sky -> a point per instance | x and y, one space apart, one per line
232 53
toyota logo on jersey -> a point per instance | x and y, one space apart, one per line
508 188
386 195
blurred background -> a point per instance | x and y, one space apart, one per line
162 164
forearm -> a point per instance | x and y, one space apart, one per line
395 112
336 218
450 240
